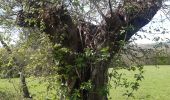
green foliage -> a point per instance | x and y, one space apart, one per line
103 54
7 66
87 86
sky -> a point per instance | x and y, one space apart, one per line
158 27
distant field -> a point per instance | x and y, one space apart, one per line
155 86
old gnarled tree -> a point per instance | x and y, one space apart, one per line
79 36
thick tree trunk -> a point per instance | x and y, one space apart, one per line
97 74
99 80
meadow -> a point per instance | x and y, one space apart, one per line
154 86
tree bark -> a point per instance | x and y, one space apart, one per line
24 87
99 80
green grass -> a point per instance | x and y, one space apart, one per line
10 90
155 86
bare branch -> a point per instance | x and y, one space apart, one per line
110 6
98 9
5 45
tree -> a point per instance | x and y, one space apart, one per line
20 66
85 47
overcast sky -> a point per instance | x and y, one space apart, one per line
158 27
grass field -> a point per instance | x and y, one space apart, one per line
155 86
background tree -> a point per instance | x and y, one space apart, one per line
30 57
20 68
